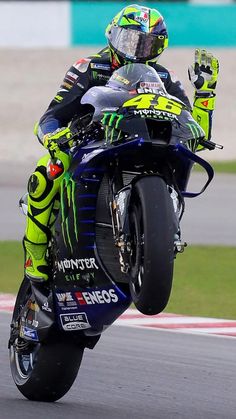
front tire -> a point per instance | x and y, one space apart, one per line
152 227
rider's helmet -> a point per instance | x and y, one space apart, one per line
136 34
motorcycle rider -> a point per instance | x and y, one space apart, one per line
136 34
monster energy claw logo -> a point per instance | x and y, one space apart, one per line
112 120
68 188
196 133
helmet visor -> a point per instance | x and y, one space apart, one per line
134 44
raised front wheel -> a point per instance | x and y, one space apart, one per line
152 225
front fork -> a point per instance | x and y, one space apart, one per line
178 206
119 209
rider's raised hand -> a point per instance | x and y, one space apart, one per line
204 73
52 139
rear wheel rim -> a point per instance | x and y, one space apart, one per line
24 362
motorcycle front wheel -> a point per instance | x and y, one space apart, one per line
152 229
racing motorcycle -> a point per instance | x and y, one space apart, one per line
117 232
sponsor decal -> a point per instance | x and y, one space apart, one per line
162 74
74 321
205 103
72 277
28 263
82 65
149 90
98 66
101 77
46 307
81 264
155 114
120 78
97 297
30 333
67 308
66 85
151 85
66 301
71 76
78 276
64 297
80 85
59 98
142 17
31 305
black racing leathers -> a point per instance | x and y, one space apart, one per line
85 73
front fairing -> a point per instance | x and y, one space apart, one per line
134 118
101 98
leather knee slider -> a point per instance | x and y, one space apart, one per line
37 185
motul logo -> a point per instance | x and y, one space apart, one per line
97 297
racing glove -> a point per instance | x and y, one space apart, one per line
51 140
204 73
203 76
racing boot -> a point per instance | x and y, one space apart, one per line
36 265
43 206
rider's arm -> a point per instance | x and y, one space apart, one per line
203 76
175 88
66 104
172 84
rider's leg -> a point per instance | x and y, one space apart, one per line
43 188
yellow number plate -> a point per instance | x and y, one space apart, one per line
161 103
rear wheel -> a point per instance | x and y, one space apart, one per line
42 371
152 227
45 372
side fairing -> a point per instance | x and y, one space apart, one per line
86 296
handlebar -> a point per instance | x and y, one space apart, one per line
210 145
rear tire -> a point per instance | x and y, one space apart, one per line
152 226
47 371
42 371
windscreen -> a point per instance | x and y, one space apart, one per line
139 78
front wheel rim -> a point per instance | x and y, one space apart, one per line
137 255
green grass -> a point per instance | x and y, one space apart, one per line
205 282
221 166
11 262
204 279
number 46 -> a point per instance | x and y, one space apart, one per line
145 101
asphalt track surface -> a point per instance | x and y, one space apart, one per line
208 219
135 373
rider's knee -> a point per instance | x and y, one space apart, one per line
38 184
